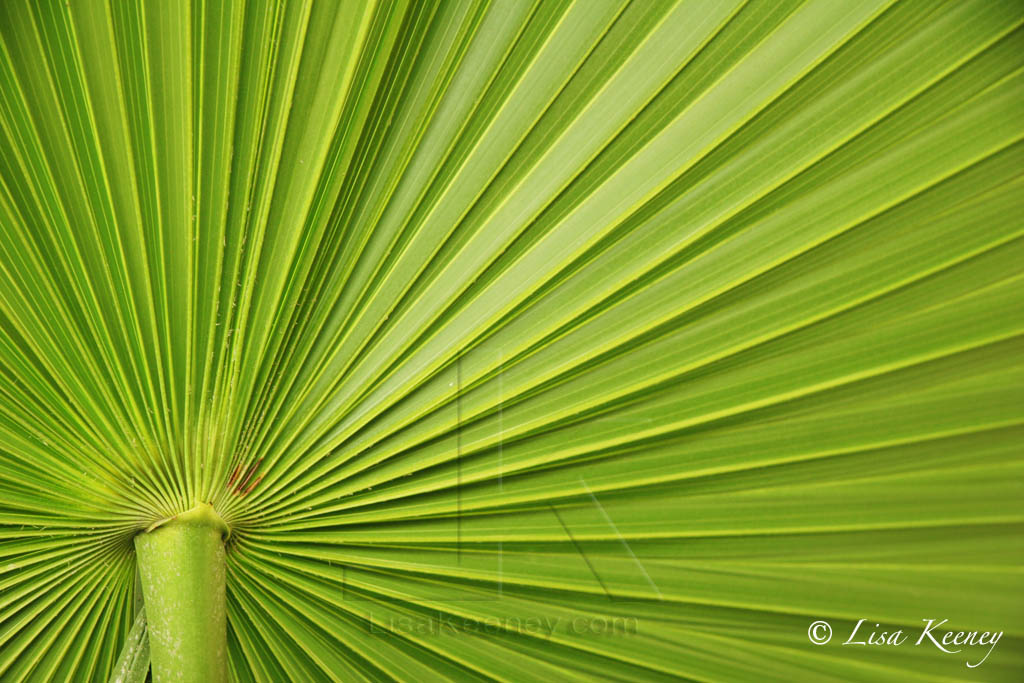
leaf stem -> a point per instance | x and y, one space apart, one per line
181 562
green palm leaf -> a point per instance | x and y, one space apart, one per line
516 340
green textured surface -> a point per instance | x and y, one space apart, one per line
181 562
133 664
518 341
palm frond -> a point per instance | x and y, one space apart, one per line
516 340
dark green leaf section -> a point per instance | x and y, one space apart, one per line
517 340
